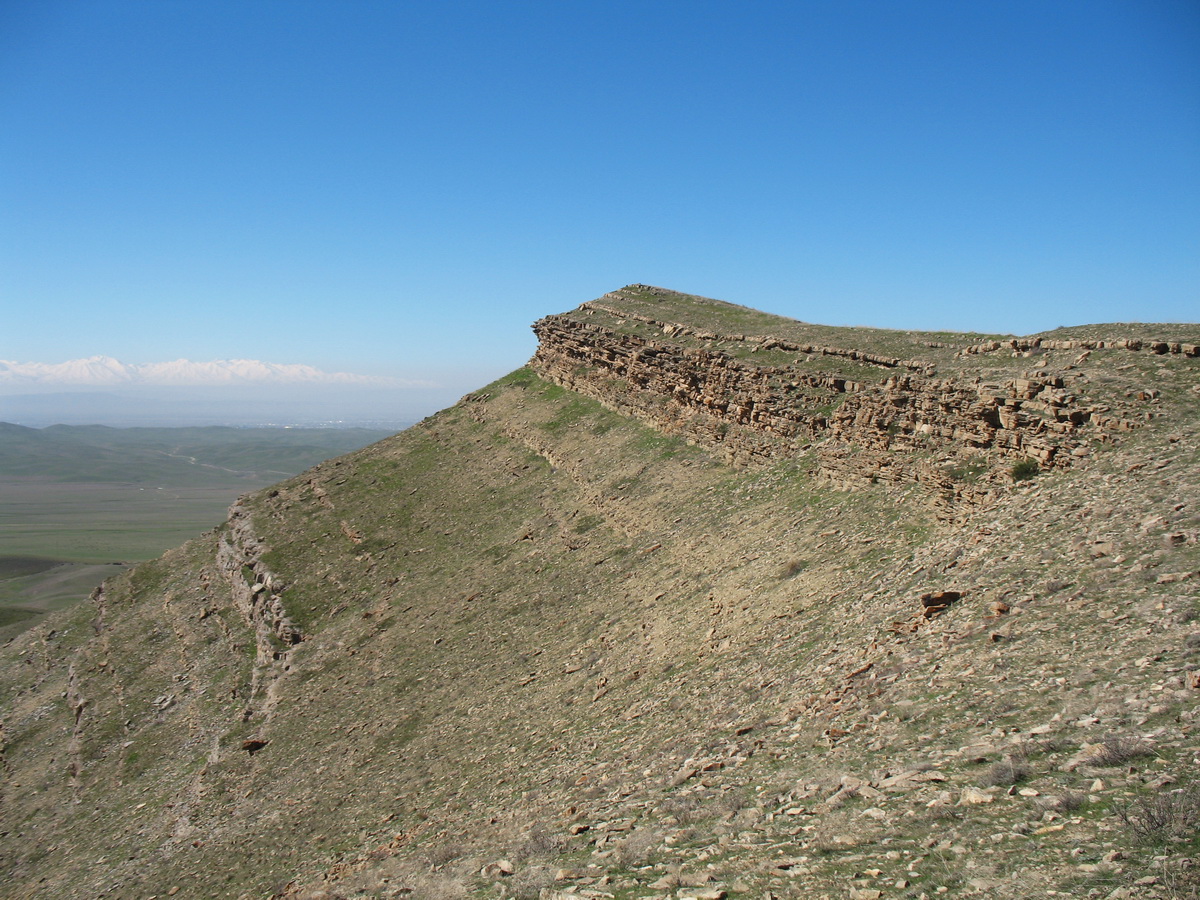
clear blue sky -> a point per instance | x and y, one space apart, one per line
401 188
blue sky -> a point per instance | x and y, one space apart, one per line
401 188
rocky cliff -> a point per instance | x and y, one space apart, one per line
703 603
756 398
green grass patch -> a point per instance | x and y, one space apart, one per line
17 566
15 615
970 470
1024 470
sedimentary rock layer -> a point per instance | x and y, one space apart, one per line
887 419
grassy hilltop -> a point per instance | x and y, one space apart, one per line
550 643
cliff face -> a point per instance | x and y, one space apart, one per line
762 398
549 643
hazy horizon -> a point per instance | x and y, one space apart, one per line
101 390
178 407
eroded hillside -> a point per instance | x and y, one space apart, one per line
704 602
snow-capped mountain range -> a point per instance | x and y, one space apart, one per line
104 371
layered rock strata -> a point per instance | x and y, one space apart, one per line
893 420
255 592
1137 345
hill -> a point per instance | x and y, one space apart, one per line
701 603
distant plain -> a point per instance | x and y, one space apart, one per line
81 503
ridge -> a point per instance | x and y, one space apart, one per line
760 397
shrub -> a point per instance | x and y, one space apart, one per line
637 848
540 844
1025 470
1162 818
793 568
1005 773
441 854
1067 801
531 883
1072 800
1118 749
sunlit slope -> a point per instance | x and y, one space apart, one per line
498 592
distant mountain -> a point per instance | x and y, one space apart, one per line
106 371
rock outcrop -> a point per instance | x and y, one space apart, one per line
255 592
871 417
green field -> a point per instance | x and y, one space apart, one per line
170 457
78 504
106 522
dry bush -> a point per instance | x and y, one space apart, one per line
1162 818
941 813
530 882
1054 745
1118 749
1005 773
1179 878
1073 800
792 569
540 844
729 804
688 809
443 853
1067 801
636 849
433 886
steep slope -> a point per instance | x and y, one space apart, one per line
540 644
